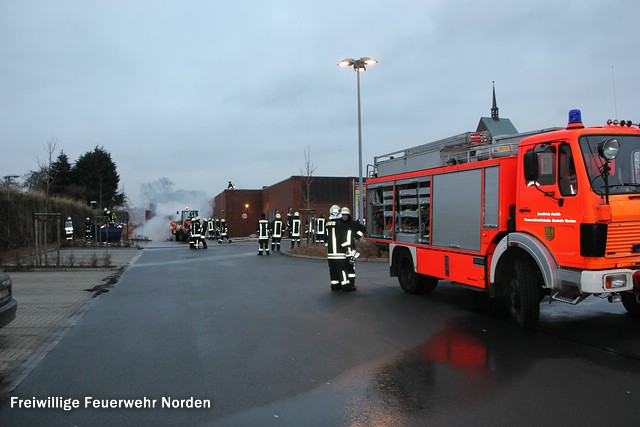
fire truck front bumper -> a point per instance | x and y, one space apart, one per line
604 281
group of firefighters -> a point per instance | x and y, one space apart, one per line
210 229
108 218
275 229
338 234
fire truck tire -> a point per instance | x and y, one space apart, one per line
524 294
410 281
631 303
427 284
407 276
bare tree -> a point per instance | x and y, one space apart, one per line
157 190
307 177
50 173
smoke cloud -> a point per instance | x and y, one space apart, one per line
164 211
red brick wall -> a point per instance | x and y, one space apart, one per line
241 210
230 204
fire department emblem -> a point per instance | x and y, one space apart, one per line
549 232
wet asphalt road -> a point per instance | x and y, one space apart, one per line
266 342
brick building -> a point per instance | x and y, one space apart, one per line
242 208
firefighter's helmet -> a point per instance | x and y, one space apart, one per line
334 210
296 214
345 211
278 216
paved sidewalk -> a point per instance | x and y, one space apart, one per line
49 303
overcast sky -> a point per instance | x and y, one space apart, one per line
202 92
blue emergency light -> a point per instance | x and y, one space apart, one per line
575 116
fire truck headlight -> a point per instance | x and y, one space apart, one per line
609 148
614 281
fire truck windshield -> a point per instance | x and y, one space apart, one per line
623 171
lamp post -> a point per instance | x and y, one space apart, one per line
358 66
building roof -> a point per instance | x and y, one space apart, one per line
496 126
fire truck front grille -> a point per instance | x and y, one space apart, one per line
623 239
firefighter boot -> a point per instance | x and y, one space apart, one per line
350 287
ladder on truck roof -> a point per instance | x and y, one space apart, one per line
463 148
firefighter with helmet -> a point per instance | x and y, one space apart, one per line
195 230
210 229
320 228
295 229
223 231
262 231
352 230
275 228
88 229
335 255
68 228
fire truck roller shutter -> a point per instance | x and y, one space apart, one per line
538 252
456 209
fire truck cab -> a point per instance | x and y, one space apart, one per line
553 212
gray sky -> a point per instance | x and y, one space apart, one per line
203 92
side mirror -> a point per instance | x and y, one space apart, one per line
531 166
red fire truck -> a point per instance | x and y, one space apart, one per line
553 212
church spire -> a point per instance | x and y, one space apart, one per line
494 108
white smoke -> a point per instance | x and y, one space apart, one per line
164 211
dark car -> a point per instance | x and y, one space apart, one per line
8 306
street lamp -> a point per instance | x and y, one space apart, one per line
358 66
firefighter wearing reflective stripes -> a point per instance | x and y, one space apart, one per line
263 235
276 232
195 231
88 229
295 229
216 229
223 231
210 229
335 252
353 230
320 228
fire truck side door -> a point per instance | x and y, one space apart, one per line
549 207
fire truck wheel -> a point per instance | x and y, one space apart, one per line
525 295
631 303
427 284
407 276
410 281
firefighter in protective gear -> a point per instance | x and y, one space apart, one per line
88 229
195 231
263 235
276 232
216 230
210 229
295 229
320 228
68 229
353 230
335 255
289 221
223 231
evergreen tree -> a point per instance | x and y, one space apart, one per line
61 175
96 173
